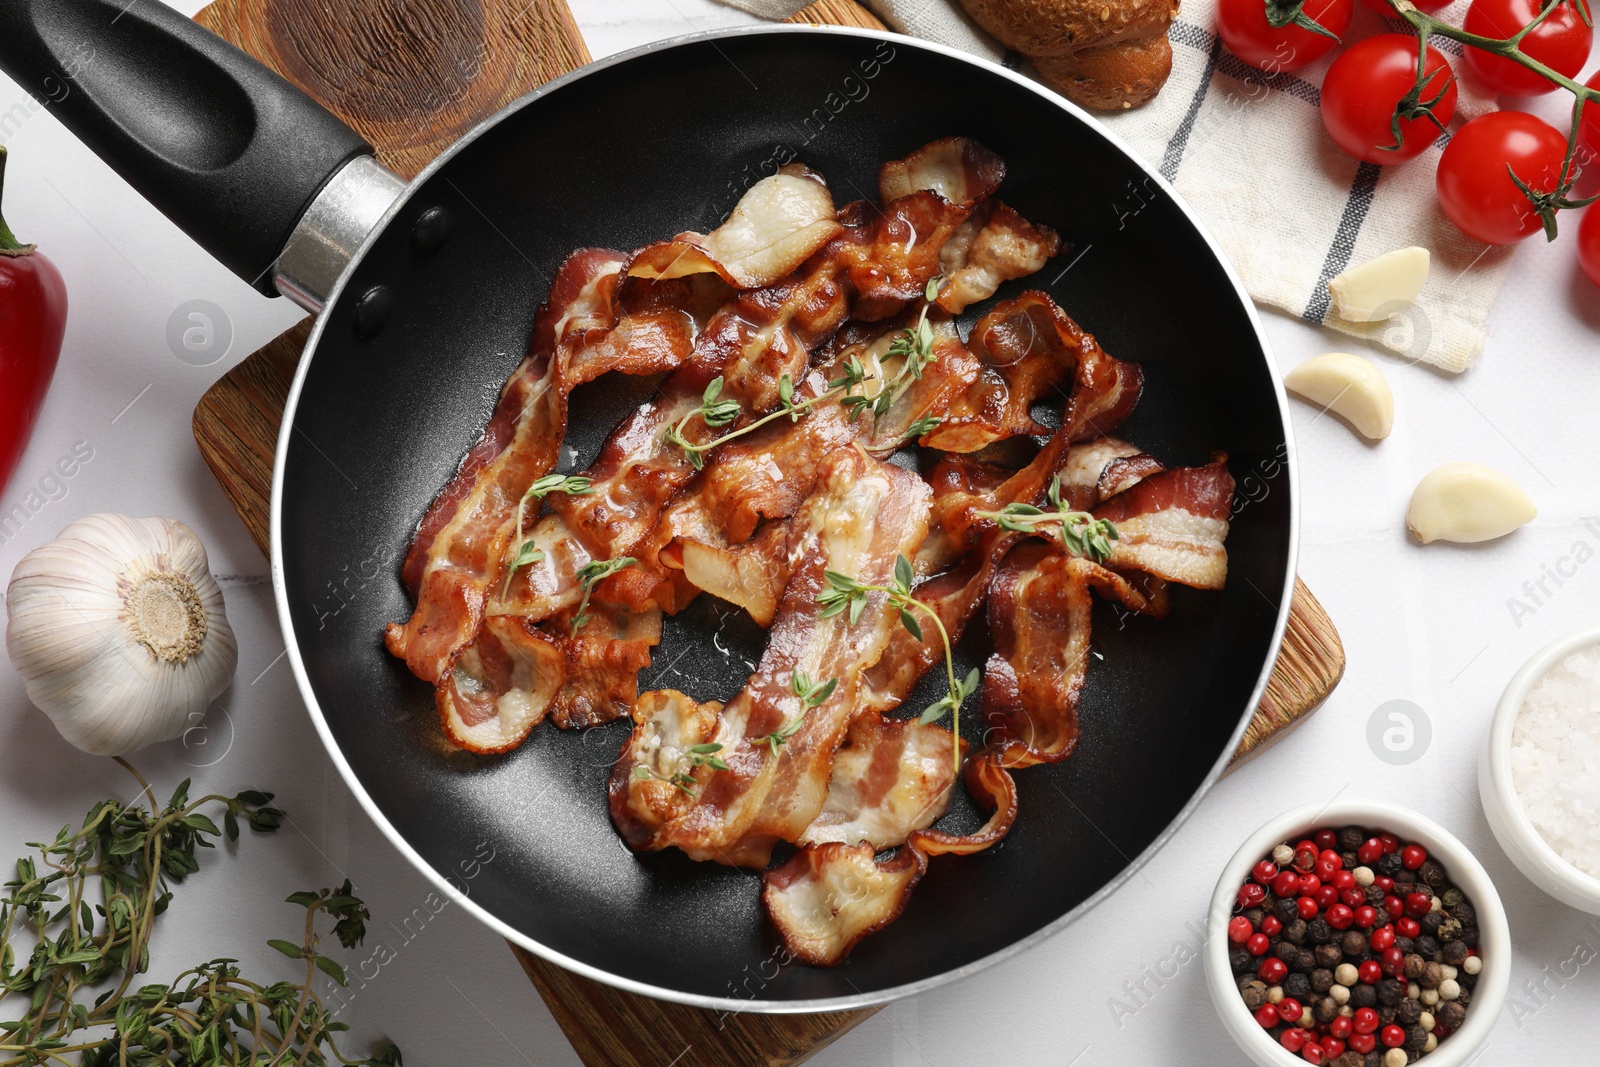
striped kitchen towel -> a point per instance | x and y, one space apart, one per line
1247 150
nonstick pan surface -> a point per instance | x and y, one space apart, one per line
635 149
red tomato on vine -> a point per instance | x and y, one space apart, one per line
1477 191
1562 42
1430 7
1282 35
1366 85
1589 132
1589 243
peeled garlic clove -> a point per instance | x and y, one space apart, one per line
1380 287
1467 502
119 633
1348 386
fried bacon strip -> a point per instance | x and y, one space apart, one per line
1173 524
863 516
892 777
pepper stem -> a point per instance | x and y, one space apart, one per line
8 241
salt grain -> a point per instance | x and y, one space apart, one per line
1555 759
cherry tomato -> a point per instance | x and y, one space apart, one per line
1590 135
1245 30
1589 244
1430 6
1562 42
1474 189
1363 86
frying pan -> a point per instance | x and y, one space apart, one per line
426 296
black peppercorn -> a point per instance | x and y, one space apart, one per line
1287 910
1286 952
1375 895
1254 993
1295 932
1241 960
1463 998
1255 915
1319 931
1452 897
1432 974
1416 1037
1405 945
1454 953
1431 922
1415 965
1306 962
1321 980
1350 1058
1351 837
1297 986
1427 947
1432 873
1390 992
1407 1012
1354 943
1390 865
1350 859
1451 1015
1406 888
1449 930
1327 1010
1383 918
1329 955
1469 934
1363 996
1386 1014
1372 1059
1465 912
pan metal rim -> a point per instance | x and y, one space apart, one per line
727 1004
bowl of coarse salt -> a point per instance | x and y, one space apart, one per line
1539 773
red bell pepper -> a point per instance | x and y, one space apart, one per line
33 320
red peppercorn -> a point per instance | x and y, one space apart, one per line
1381 938
1340 917
1394 962
1384 882
1412 856
1353 897
1305 856
1389 842
1271 926
1340 1027
1408 928
1343 880
1418 904
1289 1009
1333 1048
1392 1036
1366 915
1370 850
1312 1053
1286 884
1251 895
1394 905
1307 909
1326 897
1239 929
1325 839
1292 1039
1267 1016
1309 884
1365 1020
1332 858
1362 1043
1371 972
1258 944
1272 970
1264 872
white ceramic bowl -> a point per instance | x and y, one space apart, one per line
1508 819
1488 996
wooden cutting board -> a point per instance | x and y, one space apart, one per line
412 76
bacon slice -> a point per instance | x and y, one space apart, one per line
1039 619
1173 525
892 777
826 898
995 245
778 223
959 169
863 516
602 661
498 687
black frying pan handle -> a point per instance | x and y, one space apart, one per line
221 145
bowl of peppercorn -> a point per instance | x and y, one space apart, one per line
1357 934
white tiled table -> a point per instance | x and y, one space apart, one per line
1431 626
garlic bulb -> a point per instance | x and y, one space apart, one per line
118 629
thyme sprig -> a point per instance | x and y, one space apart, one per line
699 756
572 485
129 858
716 412
812 694
1546 204
1081 533
590 575
914 346
846 595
